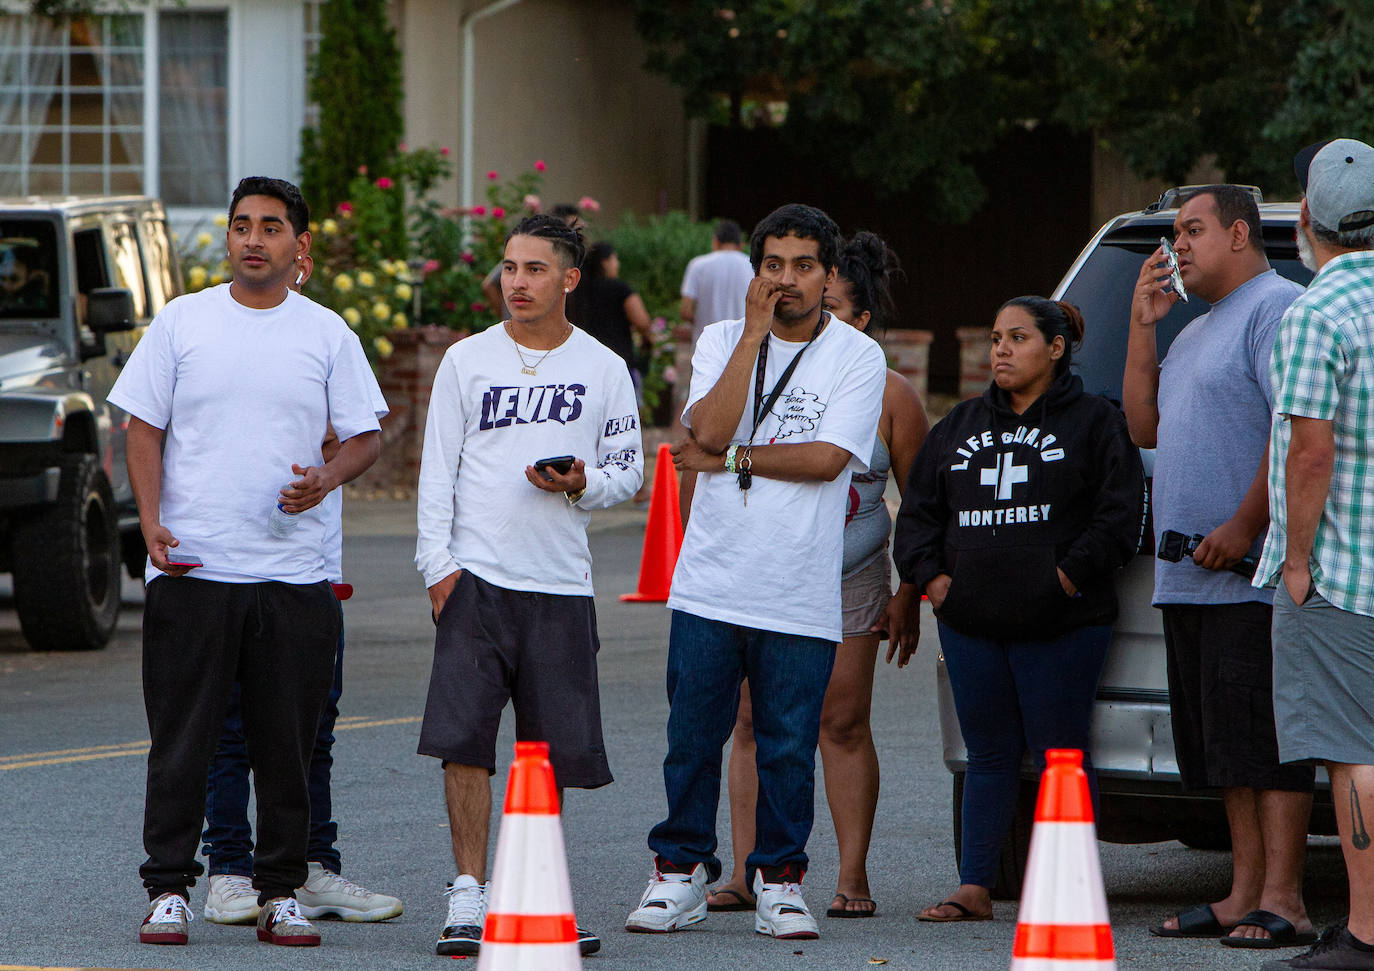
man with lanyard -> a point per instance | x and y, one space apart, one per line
783 404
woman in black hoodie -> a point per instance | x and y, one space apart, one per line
1022 505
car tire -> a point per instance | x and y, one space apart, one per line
66 563
1011 866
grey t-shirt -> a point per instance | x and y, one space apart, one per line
1215 406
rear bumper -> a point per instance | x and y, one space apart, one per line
33 489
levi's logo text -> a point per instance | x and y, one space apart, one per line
619 426
1006 465
503 407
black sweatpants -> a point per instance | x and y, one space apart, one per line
277 640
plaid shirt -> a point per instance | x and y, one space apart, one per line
1323 367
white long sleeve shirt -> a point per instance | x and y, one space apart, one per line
487 421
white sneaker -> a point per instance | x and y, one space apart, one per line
326 894
671 902
781 911
467 913
232 900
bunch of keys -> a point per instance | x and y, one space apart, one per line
744 476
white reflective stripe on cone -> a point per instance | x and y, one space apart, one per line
1060 964
531 873
1063 882
529 957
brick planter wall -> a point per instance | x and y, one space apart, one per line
406 378
908 351
975 366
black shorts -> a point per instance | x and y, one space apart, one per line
1221 696
537 650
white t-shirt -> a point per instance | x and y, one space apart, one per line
487 421
718 282
242 394
332 505
774 564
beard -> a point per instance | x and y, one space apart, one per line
1306 254
796 312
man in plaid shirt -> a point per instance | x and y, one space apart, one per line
1320 547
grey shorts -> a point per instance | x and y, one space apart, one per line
536 650
864 594
1323 681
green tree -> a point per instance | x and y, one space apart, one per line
911 94
355 78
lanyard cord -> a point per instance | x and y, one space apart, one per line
760 409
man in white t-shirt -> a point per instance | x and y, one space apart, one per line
783 404
503 546
714 283
230 393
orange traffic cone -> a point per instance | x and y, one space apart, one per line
1063 924
662 535
530 923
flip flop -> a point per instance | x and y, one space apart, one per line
741 901
1281 933
1199 921
844 911
964 914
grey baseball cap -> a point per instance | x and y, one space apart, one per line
1340 185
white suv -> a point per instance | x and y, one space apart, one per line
1133 743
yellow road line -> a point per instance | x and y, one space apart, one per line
71 756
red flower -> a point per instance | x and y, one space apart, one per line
431 265
401 147
492 175
498 212
450 305
444 151
478 307
539 165
384 183
362 170
479 210
468 258
345 207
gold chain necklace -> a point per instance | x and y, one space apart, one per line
525 366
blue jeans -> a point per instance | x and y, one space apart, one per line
788 674
1014 696
228 837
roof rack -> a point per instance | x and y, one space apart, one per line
1170 197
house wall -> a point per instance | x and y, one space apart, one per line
557 80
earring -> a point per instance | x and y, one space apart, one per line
567 289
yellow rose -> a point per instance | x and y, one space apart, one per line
203 240
330 227
389 267
403 291
343 283
217 279
313 226
351 315
221 221
198 276
366 279
383 346
398 320
381 310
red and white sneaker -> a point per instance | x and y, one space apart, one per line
281 923
167 922
781 912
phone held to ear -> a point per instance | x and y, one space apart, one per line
562 464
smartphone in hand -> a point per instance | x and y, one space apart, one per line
562 464
177 558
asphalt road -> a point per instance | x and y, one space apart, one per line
73 736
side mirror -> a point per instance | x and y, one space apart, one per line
110 310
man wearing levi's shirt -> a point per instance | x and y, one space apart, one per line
230 393
783 405
532 424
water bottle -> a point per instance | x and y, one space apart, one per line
281 522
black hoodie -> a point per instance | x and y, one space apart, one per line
998 500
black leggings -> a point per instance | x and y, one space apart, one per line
277 640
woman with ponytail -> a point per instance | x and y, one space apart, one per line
1022 505
860 297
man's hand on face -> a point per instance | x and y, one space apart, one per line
1223 547
1152 298
759 304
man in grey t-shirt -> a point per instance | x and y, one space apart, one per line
1207 409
